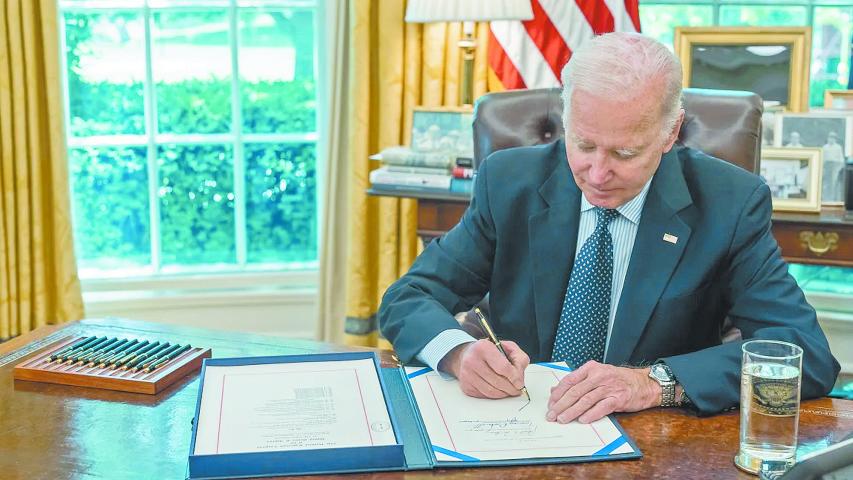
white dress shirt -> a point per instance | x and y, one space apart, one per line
623 229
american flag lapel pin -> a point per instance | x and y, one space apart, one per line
667 237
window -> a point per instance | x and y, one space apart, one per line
831 22
828 288
192 135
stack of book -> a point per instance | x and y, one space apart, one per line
405 169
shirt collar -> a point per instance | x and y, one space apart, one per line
630 210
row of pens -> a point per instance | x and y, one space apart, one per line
118 354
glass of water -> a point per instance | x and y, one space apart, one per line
769 404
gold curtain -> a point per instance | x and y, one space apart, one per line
394 66
38 274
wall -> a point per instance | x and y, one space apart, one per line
268 304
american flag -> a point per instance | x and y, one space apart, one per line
532 53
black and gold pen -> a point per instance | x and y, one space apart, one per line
117 357
82 343
142 356
494 339
75 356
67 355
162 361
154 357
92 361
122 364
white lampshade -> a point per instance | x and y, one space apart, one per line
426 11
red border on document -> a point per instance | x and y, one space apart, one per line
357 381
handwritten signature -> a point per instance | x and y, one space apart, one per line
500 428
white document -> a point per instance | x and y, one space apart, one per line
292 406
464 428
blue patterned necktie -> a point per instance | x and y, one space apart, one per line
582 332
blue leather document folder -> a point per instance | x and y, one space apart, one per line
404 445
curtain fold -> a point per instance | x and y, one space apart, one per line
334 232
392 67
38 274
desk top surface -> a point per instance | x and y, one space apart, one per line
57 432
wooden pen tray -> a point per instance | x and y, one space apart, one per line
40 369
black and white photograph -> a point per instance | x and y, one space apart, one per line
829 132
768 122
793 175
443 130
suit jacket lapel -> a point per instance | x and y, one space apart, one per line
553 237
653 259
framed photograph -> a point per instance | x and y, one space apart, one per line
793 175
770 61
768 123
447 129
838 99
832 133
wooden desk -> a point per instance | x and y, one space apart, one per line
59 432
820 239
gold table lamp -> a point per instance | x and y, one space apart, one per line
468 12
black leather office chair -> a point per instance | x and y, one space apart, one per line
724 124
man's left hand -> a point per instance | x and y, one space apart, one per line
595 390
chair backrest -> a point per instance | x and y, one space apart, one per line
721 123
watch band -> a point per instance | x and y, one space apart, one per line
667 384
684 401
667 394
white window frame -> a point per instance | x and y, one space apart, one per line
239 276
716 4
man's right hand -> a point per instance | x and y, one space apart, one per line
484 372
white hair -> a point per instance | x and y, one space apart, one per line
620 65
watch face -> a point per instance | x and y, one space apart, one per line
660 373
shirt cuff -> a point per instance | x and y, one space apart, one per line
441 345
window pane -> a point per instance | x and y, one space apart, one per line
770 15
831 33
276 60
817 278
659 21
110 205
196 204
192 72
105 57
101 3
281 206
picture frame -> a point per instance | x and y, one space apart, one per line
768 123
829 131
838 99
770 61
442 129
793 175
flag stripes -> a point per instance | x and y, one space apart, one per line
531 54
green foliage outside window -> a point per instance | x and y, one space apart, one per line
110 188
280 223
195 188
832 27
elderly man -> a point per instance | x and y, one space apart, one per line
616 252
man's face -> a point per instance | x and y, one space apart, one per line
614 147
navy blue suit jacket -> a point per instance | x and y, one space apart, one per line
517 241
